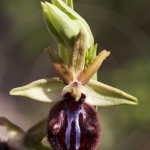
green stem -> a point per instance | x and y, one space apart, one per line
65 54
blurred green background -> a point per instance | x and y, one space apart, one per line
120 26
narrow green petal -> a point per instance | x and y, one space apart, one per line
64 25
100 94
63 71
13 130
45 90
36 133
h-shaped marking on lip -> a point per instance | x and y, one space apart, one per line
73 116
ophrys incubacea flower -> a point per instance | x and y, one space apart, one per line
73 122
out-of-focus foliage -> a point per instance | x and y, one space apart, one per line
121 27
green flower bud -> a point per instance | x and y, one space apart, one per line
64 24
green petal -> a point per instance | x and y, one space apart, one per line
45 90
100 94
64 25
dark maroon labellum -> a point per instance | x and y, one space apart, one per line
73 125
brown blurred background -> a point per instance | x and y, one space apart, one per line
120 26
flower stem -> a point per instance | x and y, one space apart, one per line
65 54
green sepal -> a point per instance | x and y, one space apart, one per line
100 94
44 90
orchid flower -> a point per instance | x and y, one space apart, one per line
74 91
76 81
